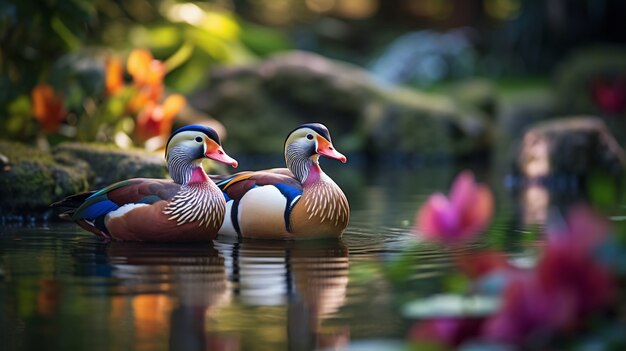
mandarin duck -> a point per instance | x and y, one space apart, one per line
296 202
190 207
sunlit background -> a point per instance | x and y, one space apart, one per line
528 95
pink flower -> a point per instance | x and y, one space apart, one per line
582 233
567 284
478 264
460 217
569 262
529 307
445 331
610 97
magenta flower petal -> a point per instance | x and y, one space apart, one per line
463 190
585 230
567 285
461 216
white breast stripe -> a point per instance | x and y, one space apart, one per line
227 227
295 199
123 210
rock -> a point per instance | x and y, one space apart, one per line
109 164
569 146
32 179
261 103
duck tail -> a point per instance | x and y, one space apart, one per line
72 201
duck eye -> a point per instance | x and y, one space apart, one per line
199 139
309 136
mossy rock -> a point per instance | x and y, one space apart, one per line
32 179
261 103
110 164
569 146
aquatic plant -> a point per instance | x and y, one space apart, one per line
460 216
568 286
609 95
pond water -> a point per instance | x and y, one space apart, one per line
62 289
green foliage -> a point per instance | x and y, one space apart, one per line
34 34
65 44
603 189
402 266
194 37
262 40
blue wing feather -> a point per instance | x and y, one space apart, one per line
291 193
98 204
98 209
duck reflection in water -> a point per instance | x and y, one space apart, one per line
168 291
222 295
300 283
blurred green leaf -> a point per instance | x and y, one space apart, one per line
65 33
20 106
181 56
214 46
264 41
457 283
602 189
190 74
363 272
403 266
162 39
20 123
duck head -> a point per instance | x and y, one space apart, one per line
305 145
195 142
188 146
310 141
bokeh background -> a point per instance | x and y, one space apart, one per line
465 69
529 95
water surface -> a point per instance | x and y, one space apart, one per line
62 289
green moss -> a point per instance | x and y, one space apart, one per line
32 179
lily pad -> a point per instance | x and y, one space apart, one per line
450 305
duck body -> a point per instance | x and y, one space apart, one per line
188 208
298 202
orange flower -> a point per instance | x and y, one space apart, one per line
144 69
147 75
114 75
48 107
149 94
157 120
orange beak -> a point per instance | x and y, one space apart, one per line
215 152
325 148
